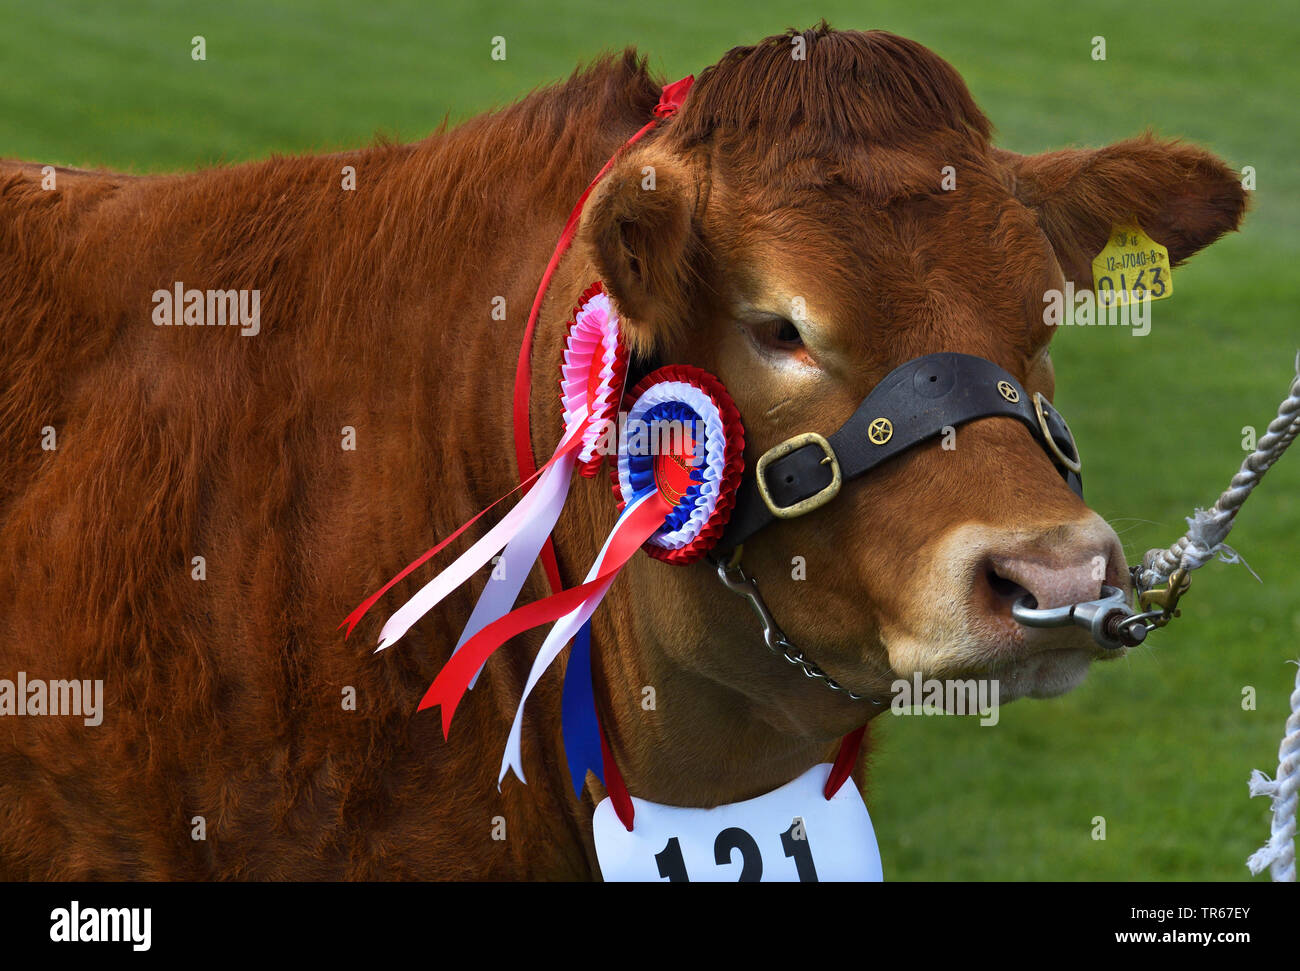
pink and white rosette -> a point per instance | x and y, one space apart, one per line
592 372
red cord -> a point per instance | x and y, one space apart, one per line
844 761
669 101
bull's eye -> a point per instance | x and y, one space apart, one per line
775 335
787 333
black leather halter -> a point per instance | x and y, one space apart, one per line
914 403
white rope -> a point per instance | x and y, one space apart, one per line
1207 529
1279 852
1204 540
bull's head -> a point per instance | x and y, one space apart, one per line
813 224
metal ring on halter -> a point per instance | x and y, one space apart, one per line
1043 409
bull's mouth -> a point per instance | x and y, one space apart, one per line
1046 673
1025 662
988 644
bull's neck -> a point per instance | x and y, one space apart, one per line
696 710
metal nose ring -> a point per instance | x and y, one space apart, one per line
1105 618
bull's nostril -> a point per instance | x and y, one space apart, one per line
1008 589
1055 568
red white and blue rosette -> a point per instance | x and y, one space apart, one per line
592 372
697 474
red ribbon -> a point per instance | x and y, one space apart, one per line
614 785
354 618
844 761
669 101
453 680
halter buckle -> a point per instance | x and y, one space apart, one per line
815 501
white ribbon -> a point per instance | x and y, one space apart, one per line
551 488
499 596
563 631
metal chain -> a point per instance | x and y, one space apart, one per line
734 579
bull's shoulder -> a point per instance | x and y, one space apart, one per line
40 208
38 170
37 187
43 214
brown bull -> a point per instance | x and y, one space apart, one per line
132 446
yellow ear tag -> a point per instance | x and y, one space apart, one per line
1131 267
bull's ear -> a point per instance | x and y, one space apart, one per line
640 227
1184 197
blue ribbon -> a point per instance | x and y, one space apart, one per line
578 713
578 722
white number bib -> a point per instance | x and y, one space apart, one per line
791 833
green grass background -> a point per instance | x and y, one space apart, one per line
1158 743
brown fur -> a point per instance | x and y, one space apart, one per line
223 697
